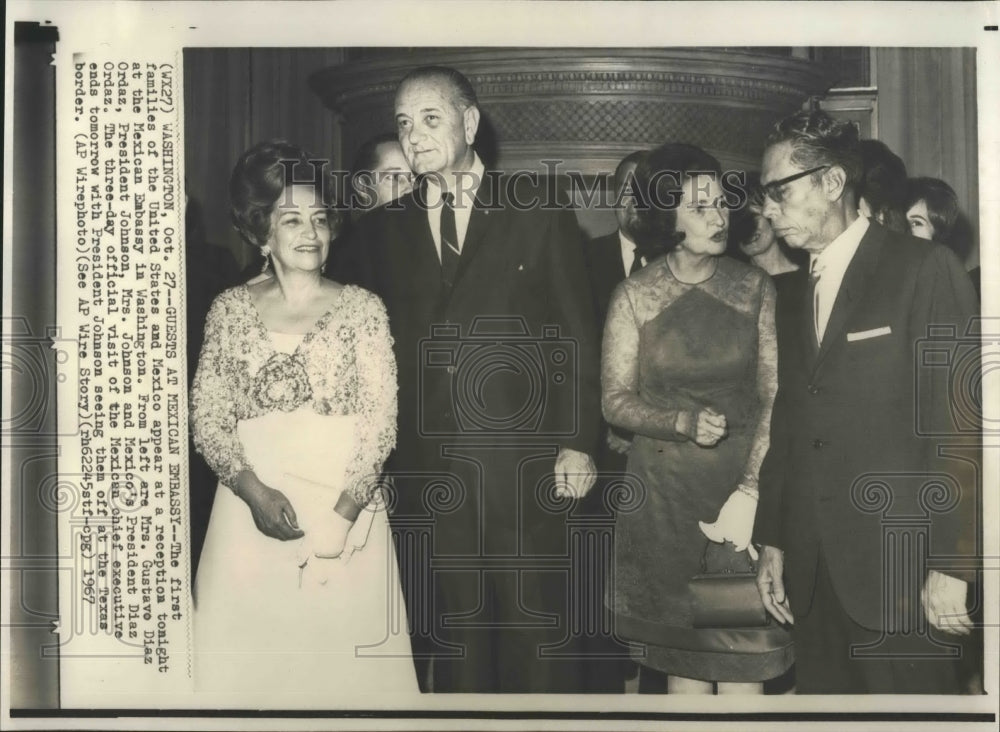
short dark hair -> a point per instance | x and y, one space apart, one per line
258 181
365 163
660 177
818 139
950 226
368 157
630 160
463 94
883 184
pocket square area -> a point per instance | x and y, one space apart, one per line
865 334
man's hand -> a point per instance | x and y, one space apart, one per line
770 584
943 598
575 473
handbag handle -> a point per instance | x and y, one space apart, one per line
751 565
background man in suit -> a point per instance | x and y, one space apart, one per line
491 408
613 257
845 437
380 173
610 259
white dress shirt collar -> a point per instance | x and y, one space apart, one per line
831 264
628 251
466 185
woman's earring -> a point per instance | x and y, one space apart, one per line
266 251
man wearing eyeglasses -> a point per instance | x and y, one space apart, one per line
845 489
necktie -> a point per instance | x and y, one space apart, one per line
815 272
450 251
636 261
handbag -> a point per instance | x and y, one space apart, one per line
724 594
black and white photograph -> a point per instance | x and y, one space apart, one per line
484 365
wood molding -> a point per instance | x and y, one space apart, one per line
584 106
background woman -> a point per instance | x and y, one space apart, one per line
933 213
294 407
755 238
689 365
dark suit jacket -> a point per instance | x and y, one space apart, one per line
523 267
847 422
604 264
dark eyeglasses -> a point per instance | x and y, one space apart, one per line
773 190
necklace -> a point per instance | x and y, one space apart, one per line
715 267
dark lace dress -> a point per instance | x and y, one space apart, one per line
670 347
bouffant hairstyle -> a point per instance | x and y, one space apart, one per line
883 185
629 161
660 177
818 139
259 181
951 227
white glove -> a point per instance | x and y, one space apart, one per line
329 537
735 522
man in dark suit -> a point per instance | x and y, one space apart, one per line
489 305
610 259
613 257
862 517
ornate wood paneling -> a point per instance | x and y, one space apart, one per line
588 107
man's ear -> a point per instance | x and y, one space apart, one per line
470 118
834 182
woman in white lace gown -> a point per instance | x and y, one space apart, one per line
297 598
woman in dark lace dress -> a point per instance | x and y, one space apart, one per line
690 366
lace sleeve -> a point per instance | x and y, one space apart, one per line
376 400
767 382
213 410
620 400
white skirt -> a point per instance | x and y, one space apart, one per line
271 633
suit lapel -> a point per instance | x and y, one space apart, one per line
419 257
852 288
615 265
419 222
483 214
807 322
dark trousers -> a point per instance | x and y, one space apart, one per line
505 595
509 633
831 658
